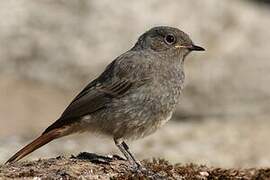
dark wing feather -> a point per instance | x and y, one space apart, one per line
107 74
93 97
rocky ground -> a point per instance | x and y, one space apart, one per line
92 166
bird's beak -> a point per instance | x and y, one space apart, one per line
195 48
191 47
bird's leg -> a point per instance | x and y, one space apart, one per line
125 150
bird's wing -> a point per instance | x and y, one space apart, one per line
93 97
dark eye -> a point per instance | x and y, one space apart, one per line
170 39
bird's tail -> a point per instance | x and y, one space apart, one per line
37 143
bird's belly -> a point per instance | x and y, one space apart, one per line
134 116
148 128
131 126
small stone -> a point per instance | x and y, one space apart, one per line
204 173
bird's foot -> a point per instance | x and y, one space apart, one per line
136 166
139 169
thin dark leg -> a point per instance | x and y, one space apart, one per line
127 150
135 165
123 147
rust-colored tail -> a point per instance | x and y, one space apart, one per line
37 143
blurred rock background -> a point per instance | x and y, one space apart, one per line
50 49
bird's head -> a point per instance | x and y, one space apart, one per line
167 41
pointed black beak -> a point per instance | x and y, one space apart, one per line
195 48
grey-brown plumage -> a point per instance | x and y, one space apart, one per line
133 97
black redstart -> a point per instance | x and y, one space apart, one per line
132 98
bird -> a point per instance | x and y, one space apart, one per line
135 95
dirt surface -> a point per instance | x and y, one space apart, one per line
92 166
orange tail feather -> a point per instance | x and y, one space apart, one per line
37 143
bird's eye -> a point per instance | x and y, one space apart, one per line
170 39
